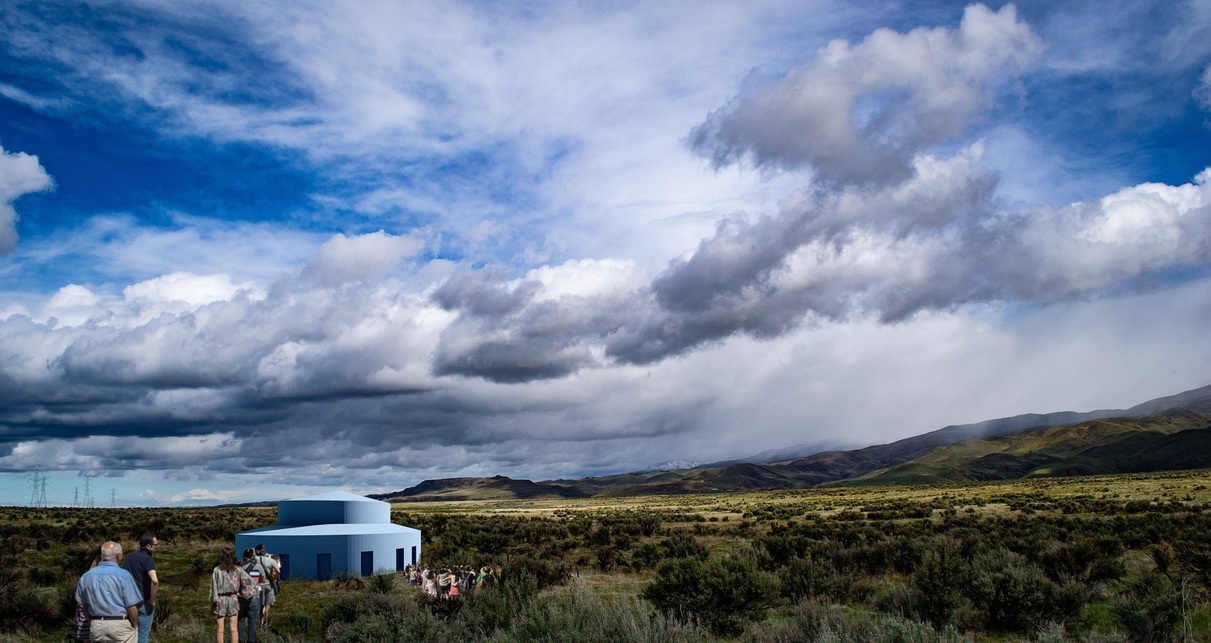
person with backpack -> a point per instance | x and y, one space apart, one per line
466 579
271 568
250 608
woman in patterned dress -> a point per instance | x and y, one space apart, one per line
226 582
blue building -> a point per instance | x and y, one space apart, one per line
335 533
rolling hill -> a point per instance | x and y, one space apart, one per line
1167 433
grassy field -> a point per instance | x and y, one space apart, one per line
1104 558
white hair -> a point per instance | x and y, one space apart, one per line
111 550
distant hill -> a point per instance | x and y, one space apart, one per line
494 488
1167 433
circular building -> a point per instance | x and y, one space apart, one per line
335 533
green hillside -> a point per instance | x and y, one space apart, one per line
1166 441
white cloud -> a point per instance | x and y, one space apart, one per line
20 174
202 495
188 289
366 256
860 113
121 249
1202 92
586 278
72 305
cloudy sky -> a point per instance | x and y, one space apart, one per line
250 250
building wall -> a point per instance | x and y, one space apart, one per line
345 550
327 512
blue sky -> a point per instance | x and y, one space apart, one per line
255 251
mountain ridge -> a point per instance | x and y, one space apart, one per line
1164 433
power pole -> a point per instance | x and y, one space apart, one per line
113 497
75 497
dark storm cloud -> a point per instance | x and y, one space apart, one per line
937 241
504 333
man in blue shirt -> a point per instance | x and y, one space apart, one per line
110 597
142 566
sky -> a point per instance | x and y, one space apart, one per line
254 250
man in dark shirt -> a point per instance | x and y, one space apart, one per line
142 566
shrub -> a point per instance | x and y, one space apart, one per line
492 609
721 593
24 602
164 610
811 621
1150 609
299 621
683 545
398 626
349 607
544 572
1012 594
581 616
646 556
801 578
937 583
381 583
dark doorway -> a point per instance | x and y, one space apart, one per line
323 566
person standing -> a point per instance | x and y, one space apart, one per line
110 598
443 584
227 583
268 596
142 566
250 608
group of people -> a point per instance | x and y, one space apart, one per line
116 603
452 582
241 592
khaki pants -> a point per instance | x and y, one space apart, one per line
120 631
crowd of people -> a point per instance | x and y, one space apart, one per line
452 582
116 603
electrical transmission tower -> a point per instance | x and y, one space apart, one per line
37 489
113 497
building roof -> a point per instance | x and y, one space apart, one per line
344 529
335 494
